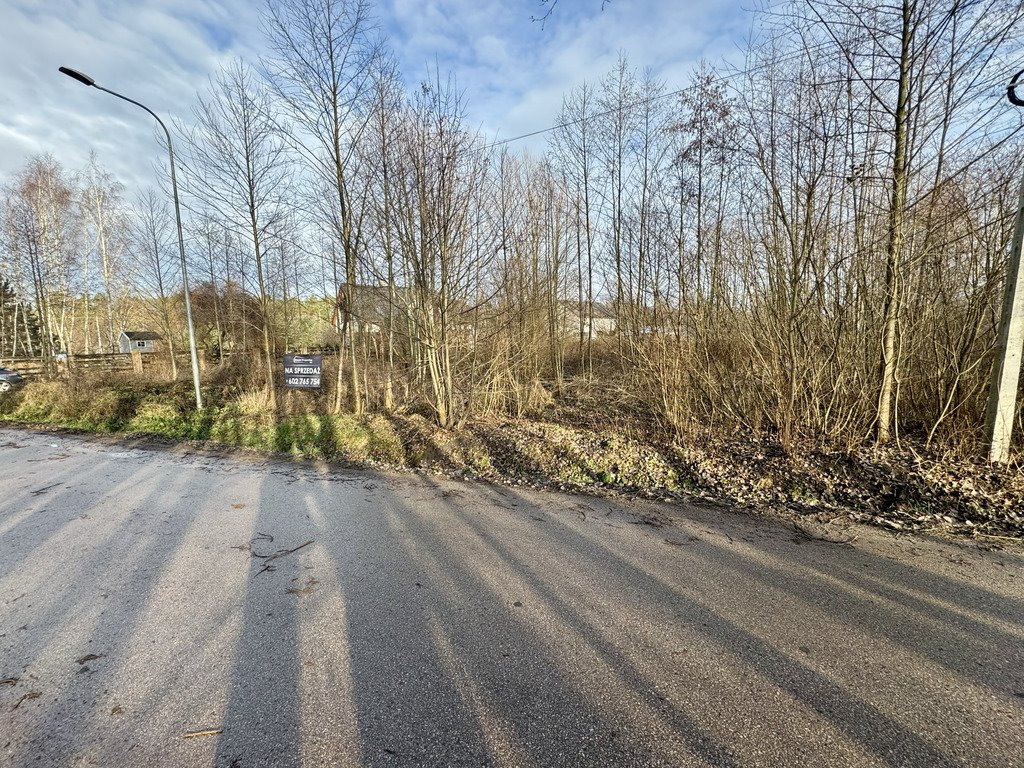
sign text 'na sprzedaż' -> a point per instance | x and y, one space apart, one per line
303 371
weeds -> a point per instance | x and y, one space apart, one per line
902 489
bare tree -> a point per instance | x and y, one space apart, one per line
443 170
923 64
322 69
42 226
106 225
237 164
156 268
573 148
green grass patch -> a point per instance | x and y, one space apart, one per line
167 411
514 449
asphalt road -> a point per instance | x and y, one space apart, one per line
438 622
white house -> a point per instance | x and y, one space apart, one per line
577 316
138 341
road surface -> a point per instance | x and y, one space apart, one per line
439 622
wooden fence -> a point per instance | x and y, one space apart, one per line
122 361
118 361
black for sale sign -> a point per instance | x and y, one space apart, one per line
303 371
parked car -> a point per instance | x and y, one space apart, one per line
9 379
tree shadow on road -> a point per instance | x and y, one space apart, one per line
910 617
433 622
261 720
448 669
85 609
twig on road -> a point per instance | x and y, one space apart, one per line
45 489
803 534
268 559
26 697
207 732
308 589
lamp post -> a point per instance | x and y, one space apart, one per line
86 80
1002 397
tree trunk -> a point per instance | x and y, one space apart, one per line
894 254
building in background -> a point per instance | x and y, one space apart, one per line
139 341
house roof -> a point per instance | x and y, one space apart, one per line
142 336
601 310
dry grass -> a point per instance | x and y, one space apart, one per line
903 488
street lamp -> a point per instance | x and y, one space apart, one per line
86 80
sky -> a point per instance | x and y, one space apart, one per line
513 69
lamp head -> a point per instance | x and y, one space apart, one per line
1011 92
74 73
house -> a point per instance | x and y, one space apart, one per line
576 317
138 341
373 307
370 306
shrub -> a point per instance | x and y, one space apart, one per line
34 402
160 417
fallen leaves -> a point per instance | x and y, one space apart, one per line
906 487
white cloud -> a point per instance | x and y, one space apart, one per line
515 71
160 52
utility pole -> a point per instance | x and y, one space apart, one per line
1002 397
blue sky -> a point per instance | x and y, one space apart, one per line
513 70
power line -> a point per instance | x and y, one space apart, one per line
725 80
591 117
679 92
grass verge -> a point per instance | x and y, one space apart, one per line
899 488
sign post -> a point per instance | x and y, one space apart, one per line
303 371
